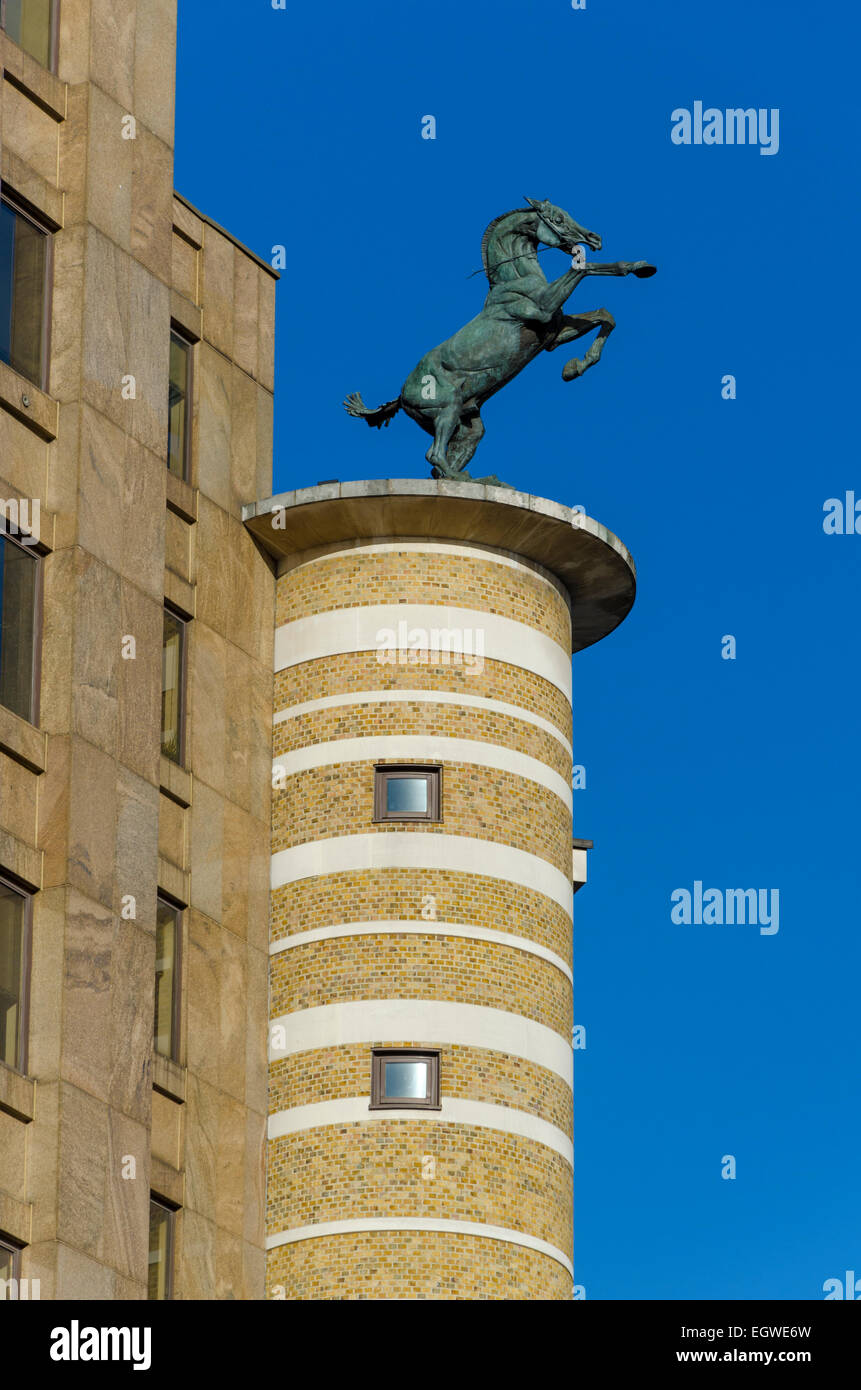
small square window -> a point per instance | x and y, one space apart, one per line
407 793
404 1080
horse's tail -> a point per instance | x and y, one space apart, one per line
354 405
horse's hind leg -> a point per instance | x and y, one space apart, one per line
465 441
445 423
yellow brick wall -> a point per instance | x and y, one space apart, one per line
382 720
473 1073
338 799
379 895
452 968
478 1174
365 578
413 1265
361 671
362 1170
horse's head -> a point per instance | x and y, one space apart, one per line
556 228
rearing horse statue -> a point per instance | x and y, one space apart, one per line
522 316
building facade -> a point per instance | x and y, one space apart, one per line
286 855
136 376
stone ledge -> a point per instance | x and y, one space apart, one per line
16 1218
36 82
173 880
179 593
168 1077
167 1181
21 860
187 316
182 498
22 741
40 413
592 564
174 781
41 197
17 1094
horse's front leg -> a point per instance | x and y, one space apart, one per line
638 268
575 326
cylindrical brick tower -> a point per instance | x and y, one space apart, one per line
420 1130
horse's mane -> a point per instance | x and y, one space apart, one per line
489 230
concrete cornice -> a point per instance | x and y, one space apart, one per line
592 564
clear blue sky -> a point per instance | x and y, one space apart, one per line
303 127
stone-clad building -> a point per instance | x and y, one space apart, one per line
136 362
286 867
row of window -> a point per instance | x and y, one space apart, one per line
25 255
32 24
20 642
162 1220
16 911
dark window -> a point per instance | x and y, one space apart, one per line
173 686
161 1224
408 1079
33 25
407 793
19 610
179 406
167 979
10 1267
14 962
23 292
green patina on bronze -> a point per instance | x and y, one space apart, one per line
522 316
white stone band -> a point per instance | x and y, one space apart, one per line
353 1110
411 927
425 697
424 748
344 630
420 1223
421 1021
423 850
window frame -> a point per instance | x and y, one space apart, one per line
55 36
22 1052
36 552
386 772
381 1056
176 331
176 1005
182 711
171 1212
32 215
14 1250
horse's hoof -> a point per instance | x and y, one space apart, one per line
643 269
573 369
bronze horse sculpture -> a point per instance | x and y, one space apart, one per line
522 316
